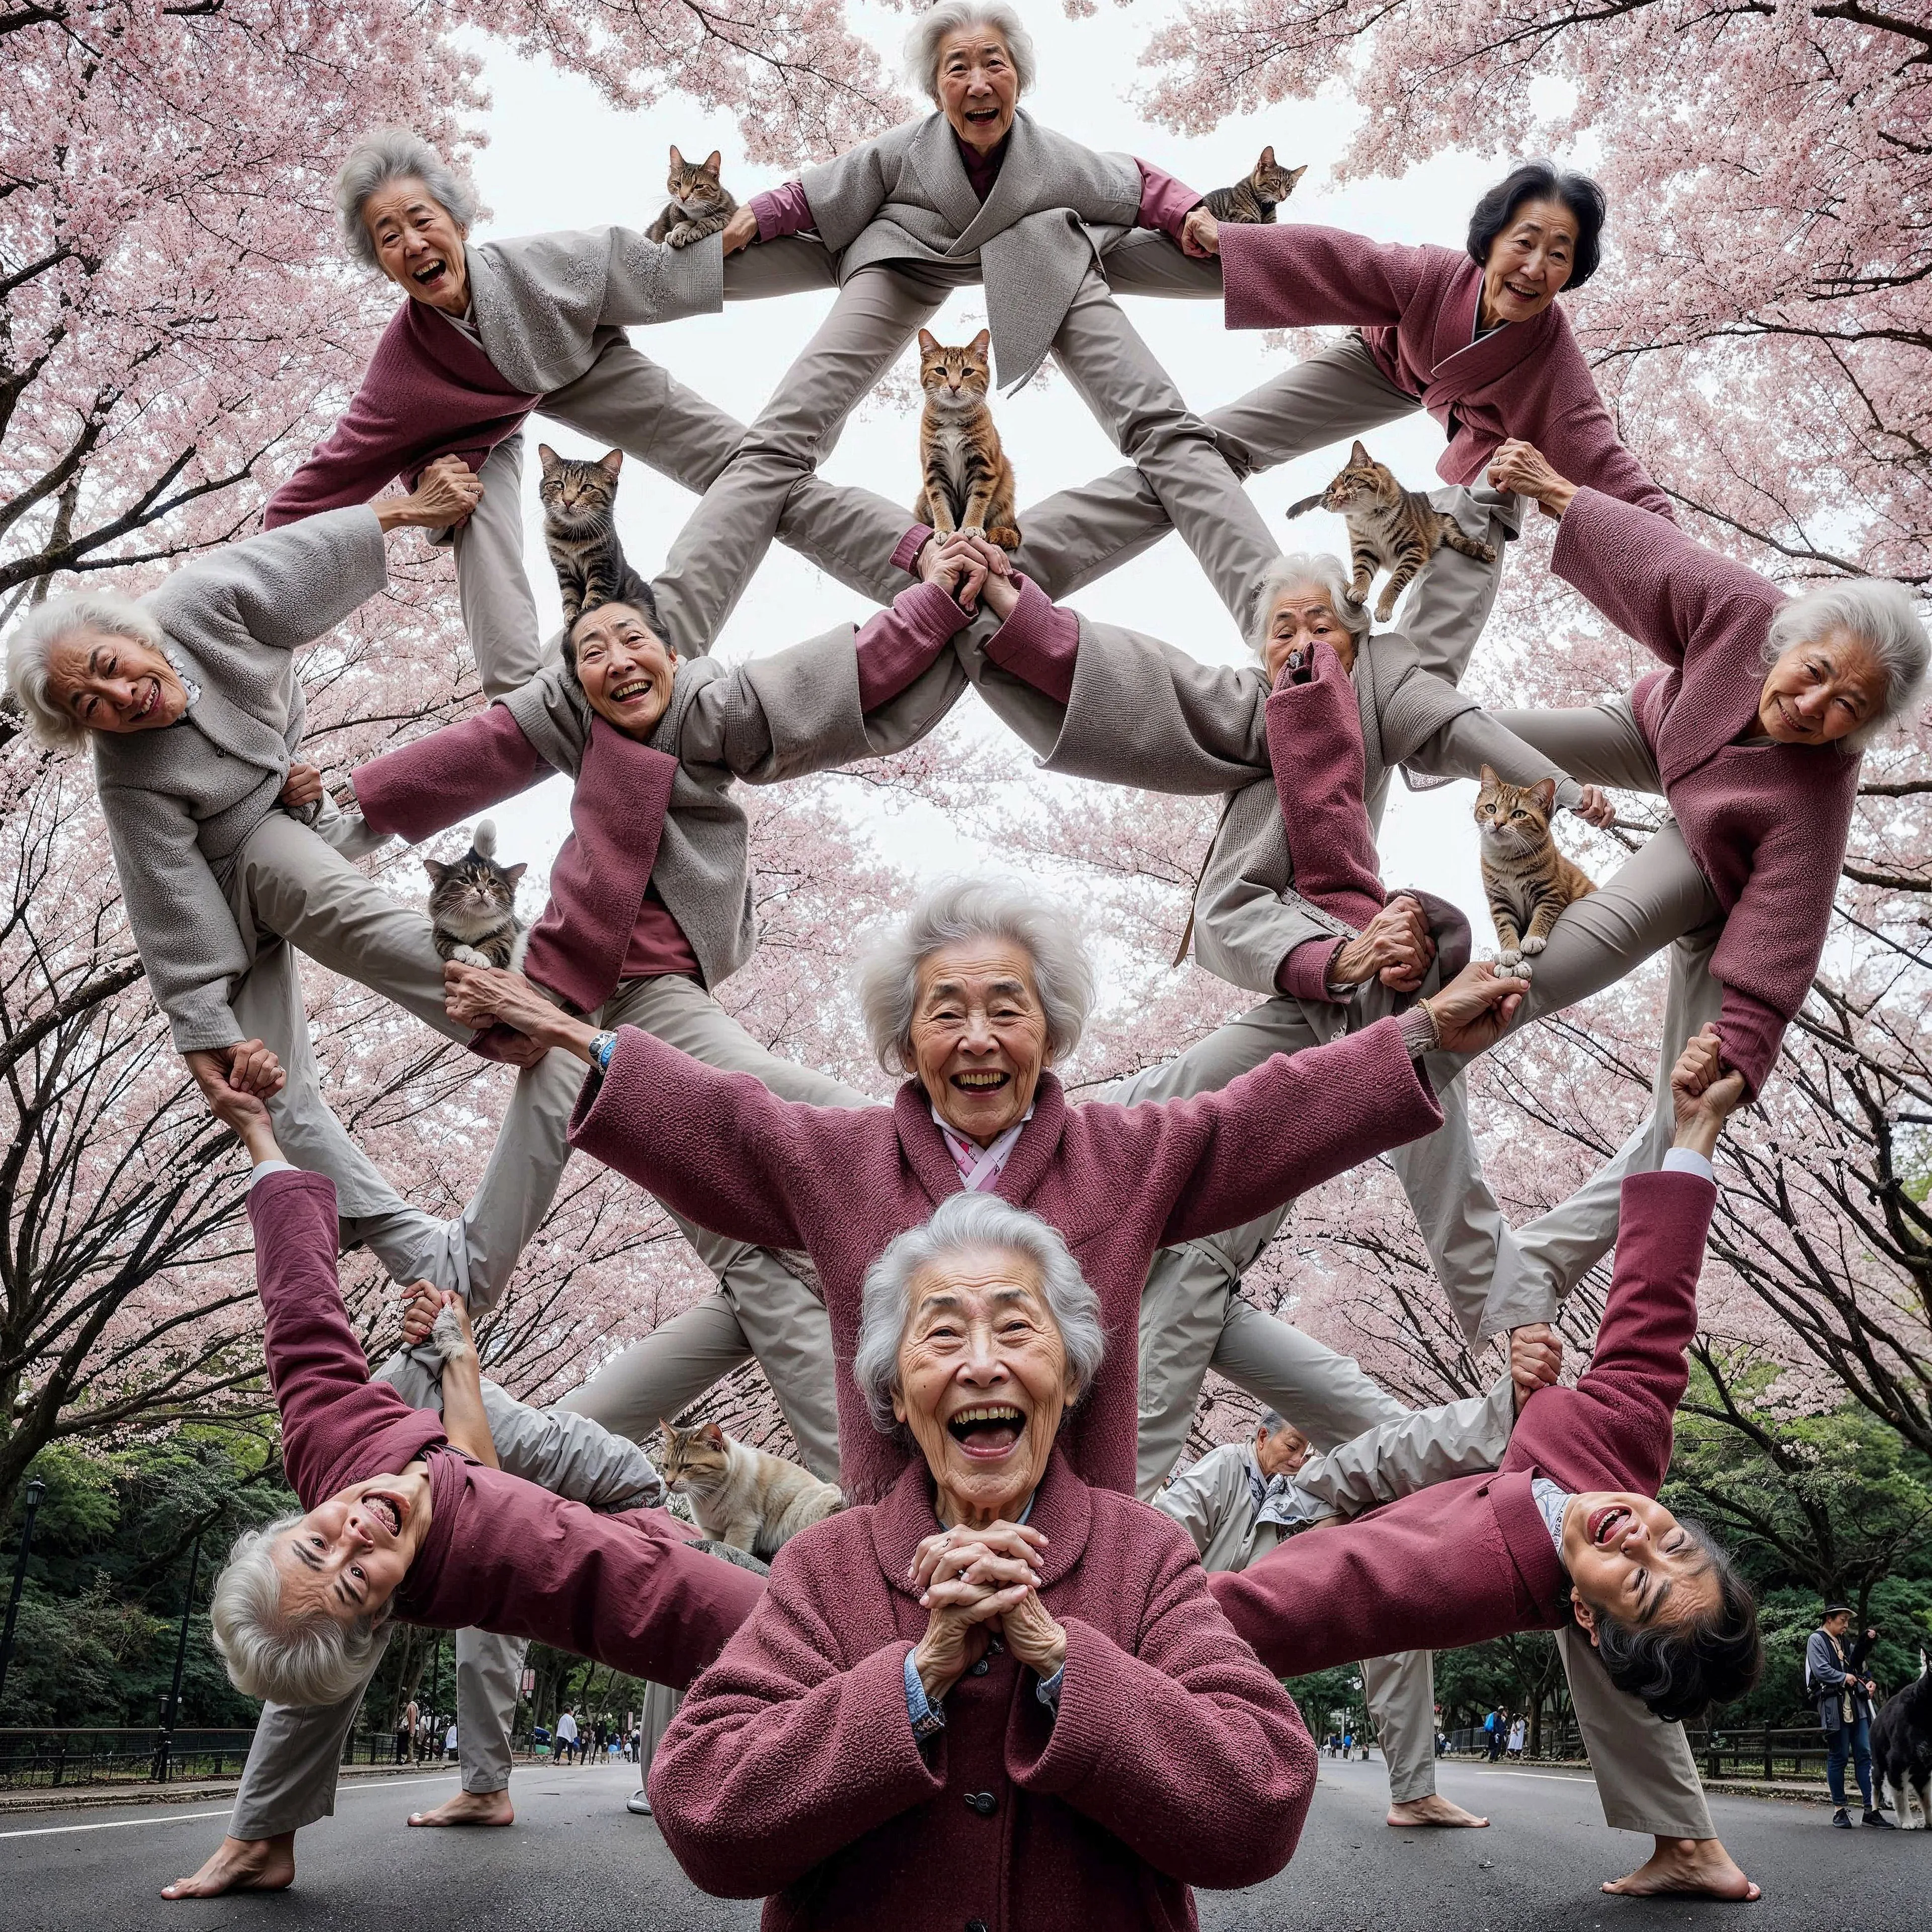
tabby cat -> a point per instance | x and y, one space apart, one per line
1528 881
699 204
969 483
740 1495
1390 528
580 502
472 906
1256 199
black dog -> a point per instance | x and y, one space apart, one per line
1901 1748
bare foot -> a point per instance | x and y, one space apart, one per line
1433 1811
470 1807
242 1864
1700 1865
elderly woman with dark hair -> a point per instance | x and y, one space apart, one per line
979 192
1000 1694
983 990
492 331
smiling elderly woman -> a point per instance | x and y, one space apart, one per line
979 191
999 1696
492 331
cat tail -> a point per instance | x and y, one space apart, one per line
485 839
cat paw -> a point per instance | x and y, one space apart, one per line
1385 609
1487 552
684 234
1509 959
468 955
1534 945
974 530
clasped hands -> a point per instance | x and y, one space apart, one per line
976 1584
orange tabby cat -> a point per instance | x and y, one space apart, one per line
1528 881
968 482
740 1495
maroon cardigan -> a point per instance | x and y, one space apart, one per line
1119 1183
1175 1759
1416 308
1767 823
502 1554
1471 1559
428 391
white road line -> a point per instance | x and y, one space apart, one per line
355 1790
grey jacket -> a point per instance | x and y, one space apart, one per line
1143 713
770 719
1830 1683
181 802
547 305
1054 207
1213 1500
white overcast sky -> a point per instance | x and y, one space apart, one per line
559 157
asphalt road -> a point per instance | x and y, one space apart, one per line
576 1858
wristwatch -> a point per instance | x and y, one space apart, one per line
602 1045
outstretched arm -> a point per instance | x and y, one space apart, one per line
425 787
437 1316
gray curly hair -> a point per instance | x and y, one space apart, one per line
931 31
288 1659
967 1224
960 909
1880 612
49 723
1296 572
389 154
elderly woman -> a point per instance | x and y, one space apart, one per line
650 908
979 192
492 331
396 1522
1475 338
229 856
984 989
1000 1694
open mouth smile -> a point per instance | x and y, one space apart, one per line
988 1430
427 277
636 687
390 1511
1606 1524
988 1081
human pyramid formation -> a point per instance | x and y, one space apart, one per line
980 1610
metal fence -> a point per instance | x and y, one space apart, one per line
50 1757
1758 1751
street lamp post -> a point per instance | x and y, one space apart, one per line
35 1490
164 1751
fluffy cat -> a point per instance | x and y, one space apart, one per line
968 482
472 906
1528 880
580 502
1390 528
1256 199
740 1495
699 204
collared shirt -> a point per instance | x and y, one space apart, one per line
189 685
980 1168
1552 1502
1278 1501
465 325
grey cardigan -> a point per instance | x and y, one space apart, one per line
1054 208
547 305
1143 713
770 719
180 801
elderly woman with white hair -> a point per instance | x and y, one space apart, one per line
976 997
492 330
230 856
398 1521
999 1687
979 192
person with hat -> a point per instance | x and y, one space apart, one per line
1844 1701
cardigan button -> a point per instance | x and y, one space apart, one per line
980 1668
983 1802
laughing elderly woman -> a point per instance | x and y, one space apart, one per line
229 855
999 1696
492 331
979 192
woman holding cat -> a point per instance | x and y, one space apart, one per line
976 998
230 862
1000 1689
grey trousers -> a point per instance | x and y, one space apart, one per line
1102 354
1401 1694
289 1778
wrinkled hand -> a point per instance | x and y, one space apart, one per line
446 493
1474 1009
1595 808
955 564
425 1302
1033 1635
1535 1359
971 1586
1200 233
485 996
1522 467
1394 947
740 231
235 1080
1702 1095
1017 1540
302 786
1000 591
